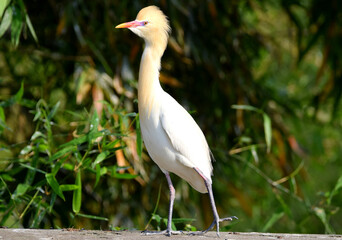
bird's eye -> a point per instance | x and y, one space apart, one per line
145 22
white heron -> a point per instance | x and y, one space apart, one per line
171 136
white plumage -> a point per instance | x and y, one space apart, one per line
171 136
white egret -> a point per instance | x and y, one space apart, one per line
171 136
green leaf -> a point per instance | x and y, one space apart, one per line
77 195
62 152
52 202
246 107
94 123
94 135
86 162
6 20
3 5
124 176
68 166
32 168
75 142
157 218
19 95
110 145
2 114
274 218
68 187
104 170
50 178
115 174
17 25
98 174
336 189
27 149
53 110
20 190
58 164
92 217
10 208
320 213
39 216
7 177
29 24
36 135
268 131
173 226
101 157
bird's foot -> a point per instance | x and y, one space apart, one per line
165 232
215 222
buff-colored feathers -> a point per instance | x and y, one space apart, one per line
157 28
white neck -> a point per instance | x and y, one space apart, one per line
149 88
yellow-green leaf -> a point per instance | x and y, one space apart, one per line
77 195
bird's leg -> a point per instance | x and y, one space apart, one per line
217 219
168 230
172 198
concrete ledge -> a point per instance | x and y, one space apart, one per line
74 234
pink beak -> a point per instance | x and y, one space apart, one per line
131 24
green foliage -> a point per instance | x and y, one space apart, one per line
71 152
40 173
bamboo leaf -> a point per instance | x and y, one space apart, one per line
94 123
77 195
26 150
37 134
19 95
98 174
110 145
92 217
62 152
115 174
50 178
68 187
20 190
6 20
30 26
320 213
53 110
246 107
3 5
17 25
75 142
101 157
336 189
268 131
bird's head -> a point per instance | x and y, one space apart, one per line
151 24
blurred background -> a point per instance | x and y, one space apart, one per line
263 79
